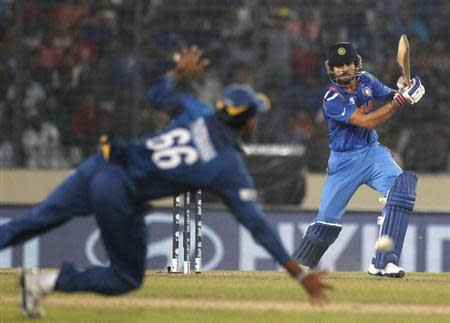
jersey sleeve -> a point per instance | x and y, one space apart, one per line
164 96
235 187
337 107
380 91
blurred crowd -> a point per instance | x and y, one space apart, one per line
86 66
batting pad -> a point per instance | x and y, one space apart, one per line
317 239
398 208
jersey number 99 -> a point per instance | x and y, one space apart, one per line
171 149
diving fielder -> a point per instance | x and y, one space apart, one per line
200 148
357 158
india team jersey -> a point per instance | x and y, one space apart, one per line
338 106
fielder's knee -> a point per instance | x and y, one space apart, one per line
121 284
126 286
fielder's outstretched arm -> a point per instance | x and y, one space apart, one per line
235 187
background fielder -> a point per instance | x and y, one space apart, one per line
357 158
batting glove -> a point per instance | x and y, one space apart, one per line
401 84
399 99
410 94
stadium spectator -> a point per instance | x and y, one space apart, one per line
55 113
6 148
34 92
276 43
90 48
41 142
84 124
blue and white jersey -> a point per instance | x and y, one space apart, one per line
197 150
190 152
338 106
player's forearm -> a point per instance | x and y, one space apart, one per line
378 117
176 75
387 111
161 91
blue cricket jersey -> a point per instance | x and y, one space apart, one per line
197 150
338 106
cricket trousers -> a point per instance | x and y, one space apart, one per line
104 190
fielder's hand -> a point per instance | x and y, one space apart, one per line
315 287
410 94
189 62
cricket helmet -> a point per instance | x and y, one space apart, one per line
340 54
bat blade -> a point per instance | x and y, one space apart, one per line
403 58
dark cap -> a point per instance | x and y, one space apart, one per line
240 102
341 53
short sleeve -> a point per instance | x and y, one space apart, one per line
338 107
164 96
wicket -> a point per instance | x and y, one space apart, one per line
176 213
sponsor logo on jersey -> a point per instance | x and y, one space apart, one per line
202 140
366 107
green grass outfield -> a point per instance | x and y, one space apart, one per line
230 296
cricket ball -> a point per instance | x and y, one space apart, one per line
384 244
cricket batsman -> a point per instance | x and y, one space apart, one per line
357 158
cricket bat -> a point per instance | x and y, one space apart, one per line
403 58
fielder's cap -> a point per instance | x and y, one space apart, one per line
240 102
341 53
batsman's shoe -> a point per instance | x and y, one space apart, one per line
31 294
374 271
394 271
391 270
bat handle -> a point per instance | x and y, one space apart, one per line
407 81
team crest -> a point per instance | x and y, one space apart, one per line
341 51
367 91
